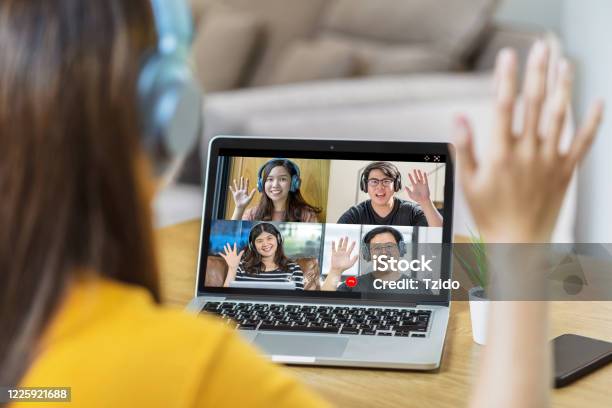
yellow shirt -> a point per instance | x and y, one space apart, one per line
115 348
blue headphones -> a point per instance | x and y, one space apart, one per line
296 181
170 98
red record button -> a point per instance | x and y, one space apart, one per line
351 281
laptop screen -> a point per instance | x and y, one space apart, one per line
362 221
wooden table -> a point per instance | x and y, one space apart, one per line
448 387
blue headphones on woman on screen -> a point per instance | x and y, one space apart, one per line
170 98
296 181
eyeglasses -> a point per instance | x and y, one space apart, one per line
385 182
383 247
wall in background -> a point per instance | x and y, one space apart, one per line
587 30
544 13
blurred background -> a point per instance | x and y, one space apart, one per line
389 70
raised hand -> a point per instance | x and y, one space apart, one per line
516 193
240 193
341 258
231 256
420 187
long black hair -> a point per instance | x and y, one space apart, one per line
296 204
71 196
252 259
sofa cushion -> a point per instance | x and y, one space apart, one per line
284 21
314 60
375 58
225 41
452 26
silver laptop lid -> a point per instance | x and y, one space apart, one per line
337 220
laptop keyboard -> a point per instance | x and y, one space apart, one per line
323 319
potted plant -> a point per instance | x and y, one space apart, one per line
479 274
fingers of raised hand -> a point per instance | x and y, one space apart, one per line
559 105
534 90
585 136
465 148
352 247
506 84
412 181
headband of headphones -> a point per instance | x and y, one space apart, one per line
296 181
277 234
173 24
365 246
170 98
397 178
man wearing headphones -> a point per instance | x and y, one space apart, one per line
381 180
379 242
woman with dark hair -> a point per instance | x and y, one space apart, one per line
281 200
264 259
79 290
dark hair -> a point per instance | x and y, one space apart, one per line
69 155
388 169
382 230
296 204
399 240
252 260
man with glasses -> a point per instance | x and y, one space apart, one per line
381 180
385 243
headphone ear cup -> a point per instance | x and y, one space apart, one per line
260 185
398 184
295 183
365 252
170 101
363 184
402 248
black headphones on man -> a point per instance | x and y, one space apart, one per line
390 167
365 244
169 96
277 234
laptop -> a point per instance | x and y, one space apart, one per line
319 253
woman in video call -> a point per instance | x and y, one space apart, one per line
378 242
381 181
79 284
264 259
281 200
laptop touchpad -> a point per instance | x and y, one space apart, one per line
297 345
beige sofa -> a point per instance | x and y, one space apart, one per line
385 69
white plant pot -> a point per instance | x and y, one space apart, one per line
479 311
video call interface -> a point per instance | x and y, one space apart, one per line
303 224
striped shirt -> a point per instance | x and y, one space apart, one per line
293 273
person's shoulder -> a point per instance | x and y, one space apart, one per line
408 205
126 338
309 215
353 214
249 214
